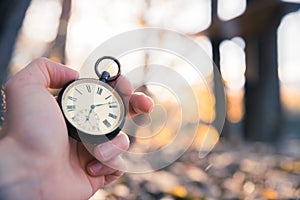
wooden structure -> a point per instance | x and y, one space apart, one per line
258 26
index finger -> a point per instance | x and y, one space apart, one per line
135 103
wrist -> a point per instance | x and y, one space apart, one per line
17 181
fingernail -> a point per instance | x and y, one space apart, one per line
105 151
118 163
94 167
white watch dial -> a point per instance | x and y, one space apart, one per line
92 107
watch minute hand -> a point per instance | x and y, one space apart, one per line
102 104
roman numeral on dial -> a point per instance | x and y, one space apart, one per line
88 87
71 108
112 116
72 98
107 97
99 91
113 105
106 123
78 91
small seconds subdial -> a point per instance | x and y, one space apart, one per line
87 120
93 107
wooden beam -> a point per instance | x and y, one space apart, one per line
256 18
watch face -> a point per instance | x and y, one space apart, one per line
92 107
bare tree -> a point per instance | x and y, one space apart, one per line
57 47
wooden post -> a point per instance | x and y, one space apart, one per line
262 101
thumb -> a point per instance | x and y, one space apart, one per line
28 101
43 72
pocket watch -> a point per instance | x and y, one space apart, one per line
94 112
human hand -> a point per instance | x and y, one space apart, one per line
37 158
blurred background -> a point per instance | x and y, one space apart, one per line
254 43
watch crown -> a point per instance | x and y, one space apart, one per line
104 76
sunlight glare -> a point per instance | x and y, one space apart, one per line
188 16
233 64
229 9
94 22
289 48
42 20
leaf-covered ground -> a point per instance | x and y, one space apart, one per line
230 171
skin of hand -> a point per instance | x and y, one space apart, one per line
37 158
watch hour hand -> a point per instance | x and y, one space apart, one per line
91 110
